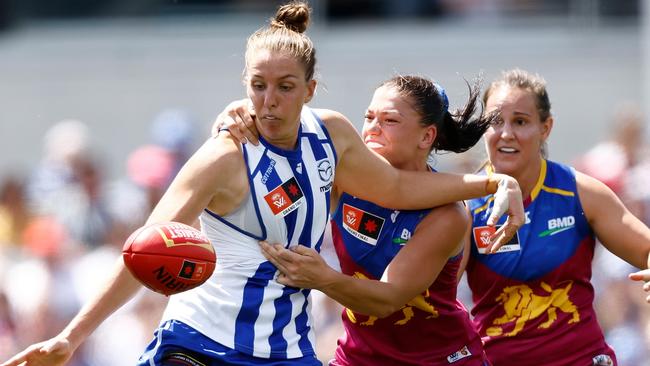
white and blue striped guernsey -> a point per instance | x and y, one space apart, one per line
242 306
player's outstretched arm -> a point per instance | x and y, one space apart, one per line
364 174
215 164
617 228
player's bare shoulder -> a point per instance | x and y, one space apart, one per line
218 170
333 119
338 126
215 157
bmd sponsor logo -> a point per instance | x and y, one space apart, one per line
558 225
403 238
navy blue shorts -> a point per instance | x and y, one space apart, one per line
177 344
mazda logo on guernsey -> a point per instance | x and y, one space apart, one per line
325 170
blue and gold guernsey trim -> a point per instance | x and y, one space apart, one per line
546 242
367 238
535 298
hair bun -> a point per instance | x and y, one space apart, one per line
293 16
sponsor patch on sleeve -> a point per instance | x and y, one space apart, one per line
482 240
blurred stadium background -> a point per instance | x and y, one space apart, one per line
103 99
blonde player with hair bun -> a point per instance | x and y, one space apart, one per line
277 191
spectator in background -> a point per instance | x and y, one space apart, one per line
620 162
175 130
48 259
82 206
64 143
14 210
636 191
150 168
636 182
610 160
68 185
43 265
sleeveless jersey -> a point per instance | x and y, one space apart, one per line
432 329
533 299
242 306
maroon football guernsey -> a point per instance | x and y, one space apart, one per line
432 329
533 299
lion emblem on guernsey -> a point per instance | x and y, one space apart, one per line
419 302
521 305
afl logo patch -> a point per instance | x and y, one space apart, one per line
285 198
482 240
325 170
361 224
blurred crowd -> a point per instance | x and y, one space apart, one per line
62 226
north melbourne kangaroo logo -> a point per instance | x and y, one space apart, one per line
521 305
419 302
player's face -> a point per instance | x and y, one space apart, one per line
514 142
276 84
392 129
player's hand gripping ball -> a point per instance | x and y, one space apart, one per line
169 257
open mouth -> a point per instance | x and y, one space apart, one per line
373 144
507 150
270 117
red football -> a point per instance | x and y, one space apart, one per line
169 257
